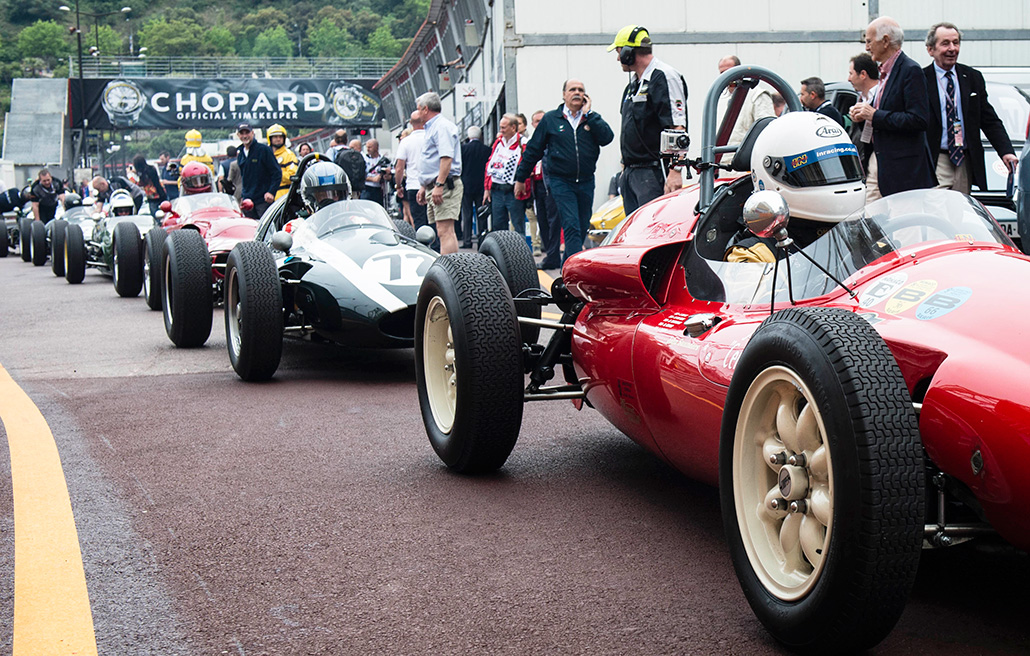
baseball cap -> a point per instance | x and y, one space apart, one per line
243 127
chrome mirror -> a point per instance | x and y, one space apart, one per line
766 214
425 235
282 241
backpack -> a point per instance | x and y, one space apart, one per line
353 164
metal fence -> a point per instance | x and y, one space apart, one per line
232 67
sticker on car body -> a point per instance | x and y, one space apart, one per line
943 302
909 296
881 289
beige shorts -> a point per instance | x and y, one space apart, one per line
450 208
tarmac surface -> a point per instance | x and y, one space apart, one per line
309 515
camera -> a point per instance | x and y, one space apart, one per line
675 143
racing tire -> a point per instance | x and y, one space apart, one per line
4 242
57 233
74 255
127 269
25 231
404 228
38 243
253 311
515 261
153 247
186 298
832 573
468 363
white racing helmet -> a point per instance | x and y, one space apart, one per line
808 159
324 183
122 204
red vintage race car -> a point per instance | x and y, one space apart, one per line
856 400
184 260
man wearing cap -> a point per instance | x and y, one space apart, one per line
259 169
654 100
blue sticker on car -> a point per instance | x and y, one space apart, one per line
795 162
943 302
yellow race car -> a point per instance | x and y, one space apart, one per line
605 219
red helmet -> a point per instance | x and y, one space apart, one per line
195 178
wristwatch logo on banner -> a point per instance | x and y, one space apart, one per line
349 103
123 101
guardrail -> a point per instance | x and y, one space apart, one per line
232 67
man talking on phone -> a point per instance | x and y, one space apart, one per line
569 139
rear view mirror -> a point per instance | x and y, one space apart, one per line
425 235
246 204
165 206
282 241
766 214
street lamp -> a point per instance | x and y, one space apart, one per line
77 30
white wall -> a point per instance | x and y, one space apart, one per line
542 69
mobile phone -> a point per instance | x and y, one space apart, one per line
1010 186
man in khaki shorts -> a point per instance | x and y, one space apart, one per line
440 171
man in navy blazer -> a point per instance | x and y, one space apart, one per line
897 118
972 113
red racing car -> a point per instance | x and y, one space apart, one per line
857 397
184 260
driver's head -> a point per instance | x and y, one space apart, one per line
808 159
122 204
324 183
195 178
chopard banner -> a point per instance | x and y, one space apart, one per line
177 104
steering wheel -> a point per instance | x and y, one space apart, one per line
935 223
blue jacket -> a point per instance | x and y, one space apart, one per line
570 154
260 171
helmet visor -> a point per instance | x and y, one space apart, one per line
828 165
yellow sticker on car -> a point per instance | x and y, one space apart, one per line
909 296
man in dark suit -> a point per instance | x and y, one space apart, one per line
474 154
897 117
959 111
864 76
813 97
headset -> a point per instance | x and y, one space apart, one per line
628 54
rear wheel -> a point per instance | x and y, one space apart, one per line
515 261
821 481
253 311
468 363
25 230
74 255
128 267
186 289
4 247
404 228
38 243
152 250
57 233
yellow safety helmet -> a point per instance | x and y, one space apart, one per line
193 139
632 36
274 130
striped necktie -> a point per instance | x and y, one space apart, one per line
955 152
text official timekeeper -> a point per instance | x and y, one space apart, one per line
654 100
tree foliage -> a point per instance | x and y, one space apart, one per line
273 42
43 39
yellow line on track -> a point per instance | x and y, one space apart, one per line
51 604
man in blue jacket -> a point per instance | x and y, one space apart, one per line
259 169
569 139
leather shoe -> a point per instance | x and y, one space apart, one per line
543 266
466 244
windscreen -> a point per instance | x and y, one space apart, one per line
348 213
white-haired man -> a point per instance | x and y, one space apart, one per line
897 118
474 155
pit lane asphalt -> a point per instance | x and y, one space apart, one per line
309 515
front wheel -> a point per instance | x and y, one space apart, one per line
821 480
74 254
128 267
186 285
514 260
253 311
39 246
57 232
153 248
468 363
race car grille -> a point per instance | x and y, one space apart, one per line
400 324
